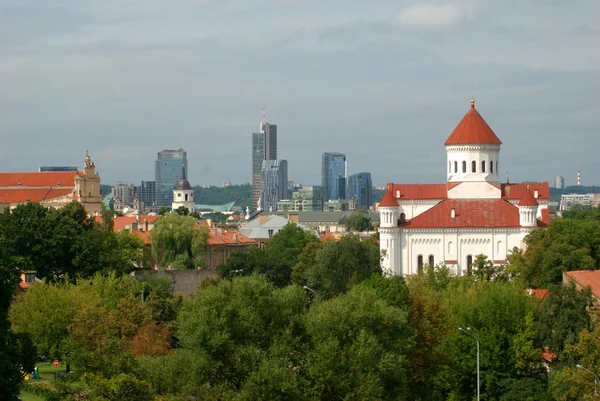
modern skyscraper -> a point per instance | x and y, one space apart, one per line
146 194
360 188
274 177
167 171
333 175
264 147
559 182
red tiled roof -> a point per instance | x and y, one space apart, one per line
420 191
472 129
121 222
549 356
231 237
469 213
545 220
22 195
34 179
587 278
528 199
539 293
517 191
144 236
388 200
327 236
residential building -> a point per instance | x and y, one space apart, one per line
221 243
567 201
472 213
584 279
337 205
360 189
559 182
274 175
333 175
53 189
167 171
264 226
308 198
123 195
183 194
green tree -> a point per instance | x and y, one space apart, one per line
15 349
485 269
358 221
121 387
178 242
182 211
342 264
163 211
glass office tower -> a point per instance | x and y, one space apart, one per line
167 171
360 188
333 175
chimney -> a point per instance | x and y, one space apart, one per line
146 223
397 194
536 194
452 213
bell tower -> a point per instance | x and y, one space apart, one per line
87 186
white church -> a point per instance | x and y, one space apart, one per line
471 213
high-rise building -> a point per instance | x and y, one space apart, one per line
305 199
274 177
360 188
146 195
559 182
123 195
333 175
264 147
167 171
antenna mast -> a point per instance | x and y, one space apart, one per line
263 117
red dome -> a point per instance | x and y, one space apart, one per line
472 129
528 199
388 200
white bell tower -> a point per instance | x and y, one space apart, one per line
389 234
183 194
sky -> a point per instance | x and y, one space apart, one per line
384 81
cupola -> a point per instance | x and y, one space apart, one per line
528 207
388 210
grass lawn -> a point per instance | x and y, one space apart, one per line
46 371
30 397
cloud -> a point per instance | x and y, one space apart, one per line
432 16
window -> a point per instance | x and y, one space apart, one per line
431 260
469 264
492 167
483 166
456 167
270 233
420 264
449 167
497 168
450 247
186 197
464 166
473 166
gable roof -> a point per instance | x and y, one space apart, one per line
255 229
37 195
419 191
469 213
35 179
472 129
517 191
586 278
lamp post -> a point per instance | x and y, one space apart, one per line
596 379
232 272
310 289
308 298
468 332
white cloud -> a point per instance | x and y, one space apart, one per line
432 16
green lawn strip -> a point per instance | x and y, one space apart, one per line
27 396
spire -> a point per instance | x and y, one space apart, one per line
183 171
263 118
472 103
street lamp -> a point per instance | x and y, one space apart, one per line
310 289
231 272
468 332
596 379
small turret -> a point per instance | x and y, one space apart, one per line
388 210
528 207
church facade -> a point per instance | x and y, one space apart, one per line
472 213
53 189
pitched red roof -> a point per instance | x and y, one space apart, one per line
469 213
35 179
22 195
539 293
144 236
229 237
121 222
586 278
419 191
528 199
517 191
472 129
388 200
549 356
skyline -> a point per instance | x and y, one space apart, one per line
385 83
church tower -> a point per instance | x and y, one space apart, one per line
389 233
473 158
183 194
87 187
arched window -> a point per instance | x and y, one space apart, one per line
464 166
473 166
456 167
402 217
492 167
499 248
449 167
420 263
450 247
483 166
469 264
431 260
